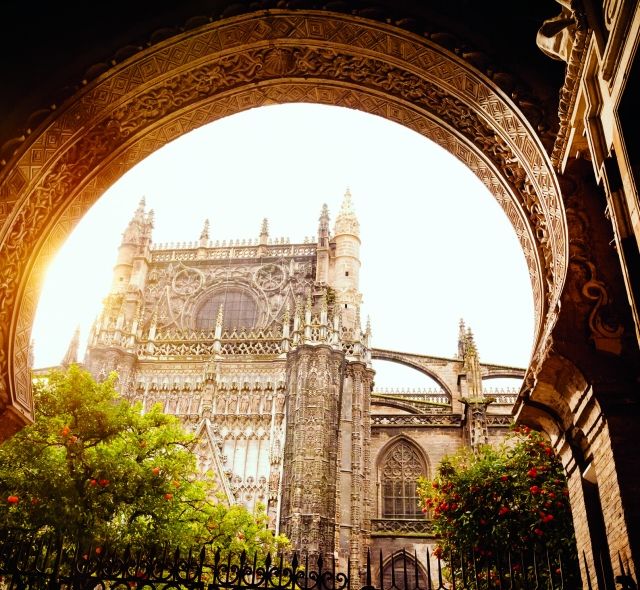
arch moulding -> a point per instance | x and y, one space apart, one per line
234 64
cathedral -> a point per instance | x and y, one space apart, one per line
537 98
259 347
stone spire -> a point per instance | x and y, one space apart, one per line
322 251
264 232
472 365
139 227
136 241
461 339
204 234
323 226
71 356
347 222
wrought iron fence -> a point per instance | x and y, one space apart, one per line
51 564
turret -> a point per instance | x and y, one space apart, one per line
136 239
346 262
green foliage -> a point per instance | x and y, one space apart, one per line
513 496
93 467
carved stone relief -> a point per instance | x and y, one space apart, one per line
175 291
223 68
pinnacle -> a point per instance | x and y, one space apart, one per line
204 235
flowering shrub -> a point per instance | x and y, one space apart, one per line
511 497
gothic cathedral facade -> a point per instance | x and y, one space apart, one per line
258 345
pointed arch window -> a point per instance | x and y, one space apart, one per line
400 469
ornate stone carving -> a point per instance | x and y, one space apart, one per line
564 37
496 420
223 68
587 291
399 527
269 277
416 420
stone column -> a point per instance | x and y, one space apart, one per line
354 503
314 384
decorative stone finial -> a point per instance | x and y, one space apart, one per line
204 234
264 232
347 222
71 356
220 316
287 314
347 205
139 229
324 216
461 339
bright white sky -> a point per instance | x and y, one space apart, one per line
436 247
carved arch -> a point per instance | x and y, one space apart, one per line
395 566
220 68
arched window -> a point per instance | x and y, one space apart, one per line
400 469
240 311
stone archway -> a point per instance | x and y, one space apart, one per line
221 68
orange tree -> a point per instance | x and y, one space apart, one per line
508 497
94 468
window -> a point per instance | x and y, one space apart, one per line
401 468
240 311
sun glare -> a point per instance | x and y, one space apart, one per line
436 247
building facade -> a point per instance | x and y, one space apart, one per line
259 347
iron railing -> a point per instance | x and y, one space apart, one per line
52 564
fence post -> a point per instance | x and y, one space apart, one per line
54 583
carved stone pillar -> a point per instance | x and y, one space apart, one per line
477 431
308 514
354 504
